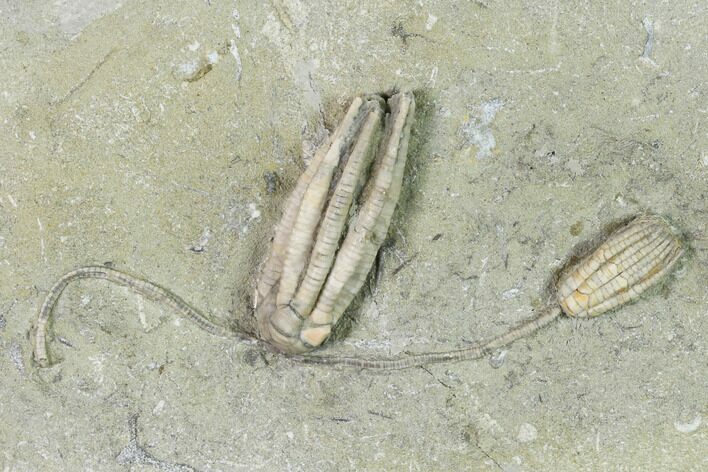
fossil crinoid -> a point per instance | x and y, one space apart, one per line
334 224
332 227
630 260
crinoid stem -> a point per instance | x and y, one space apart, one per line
477 351
143 287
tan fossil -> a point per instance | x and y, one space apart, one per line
630 260
319 259
332 227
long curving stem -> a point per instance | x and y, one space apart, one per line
138 285
477 351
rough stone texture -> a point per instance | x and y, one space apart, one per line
140 133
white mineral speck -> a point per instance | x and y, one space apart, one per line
496 360
511 293
689 427
527 433
432 19
575 168
255 212
159 407
237 57
476 130
16 357
433 75
188 69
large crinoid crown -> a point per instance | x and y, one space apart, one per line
334 224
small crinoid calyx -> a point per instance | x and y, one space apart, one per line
628 262
334 224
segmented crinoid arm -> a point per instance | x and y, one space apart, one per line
630 260
363 240
138 285
273 267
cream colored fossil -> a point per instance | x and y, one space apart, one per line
333 225
319 258
632 258
325 243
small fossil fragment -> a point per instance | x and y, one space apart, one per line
135 454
